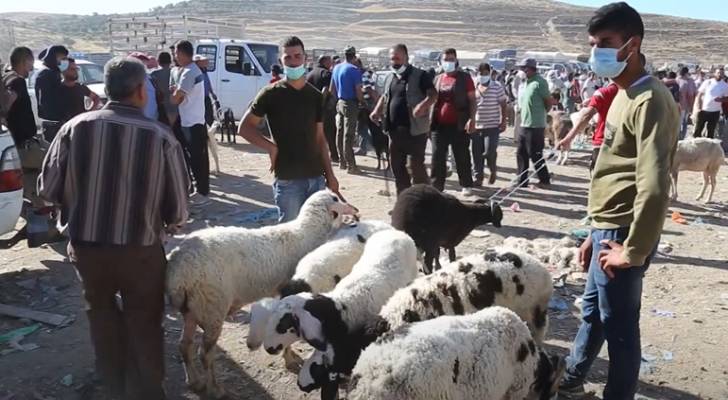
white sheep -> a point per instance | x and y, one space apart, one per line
317 272
388 263
698 154
215 271
562 254
499 277
486 355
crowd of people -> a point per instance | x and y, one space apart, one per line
120 178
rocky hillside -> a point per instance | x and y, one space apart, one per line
464 24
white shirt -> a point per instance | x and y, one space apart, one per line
711 90
190 80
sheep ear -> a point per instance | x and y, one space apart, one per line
311 329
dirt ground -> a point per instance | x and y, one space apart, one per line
684 310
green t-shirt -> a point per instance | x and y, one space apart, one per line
292 116
631 180
531 102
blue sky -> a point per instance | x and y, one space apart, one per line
701 9
705 9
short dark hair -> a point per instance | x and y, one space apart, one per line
684 70
401 47
672 75
483 66
293 41
618 17
122 76
71 60
164 58
20 54
450 51
185 47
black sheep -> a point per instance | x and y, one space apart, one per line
434 219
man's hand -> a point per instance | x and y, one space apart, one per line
613 258
564 144
376 117
273 154
420 110
502 125
585 254
333 184
470 127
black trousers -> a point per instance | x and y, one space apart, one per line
706 118
330 130
199 159
530 149
442 138
401 145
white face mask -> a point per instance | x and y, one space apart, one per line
448 66
400 70
484 79
522 75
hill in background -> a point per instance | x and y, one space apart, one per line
465 24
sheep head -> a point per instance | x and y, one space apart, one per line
284 324
330 204
485 213
549 371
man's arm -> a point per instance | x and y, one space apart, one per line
586 115
359 92
377 112
94 98
174 205
248 129
331 181
655 139
503 112
51 180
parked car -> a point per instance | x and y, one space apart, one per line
238 70
89 74
11 183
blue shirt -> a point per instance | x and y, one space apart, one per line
346 76
150 109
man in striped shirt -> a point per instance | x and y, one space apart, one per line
119 180
490 121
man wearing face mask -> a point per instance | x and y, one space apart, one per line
453 120
119 179
490 121
299 153
404 112
534 101
628 200
48 89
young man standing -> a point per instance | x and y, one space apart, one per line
490 121
346 84
534 101
75 93
119 179
320 78
299 153
628 200
712 93
188 92
161 78
453 120
48 90
688 90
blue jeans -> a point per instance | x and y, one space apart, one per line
684 116
289 195
485 149
611 312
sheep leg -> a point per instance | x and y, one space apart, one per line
212 144
209 339
187 350
706 178
712 186
451 254
673 180
293 361
427 266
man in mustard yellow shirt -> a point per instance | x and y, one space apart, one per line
628 201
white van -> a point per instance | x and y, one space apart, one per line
11 182
238 69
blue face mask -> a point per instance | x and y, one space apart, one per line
604 63
63 65
448 66
294 73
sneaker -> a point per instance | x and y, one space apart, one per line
478 182
573 390
197 200
353 171
342 166
491 179
467 192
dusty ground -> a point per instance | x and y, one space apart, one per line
685 351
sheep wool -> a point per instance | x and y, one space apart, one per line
486 355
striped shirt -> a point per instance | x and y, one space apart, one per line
118 177
488 113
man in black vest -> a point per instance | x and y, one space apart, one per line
404 110
453 120
320 78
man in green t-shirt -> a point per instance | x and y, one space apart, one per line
299 152
628 201
534 101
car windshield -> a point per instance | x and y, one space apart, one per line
92 73
266 54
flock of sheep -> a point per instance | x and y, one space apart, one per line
353 291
